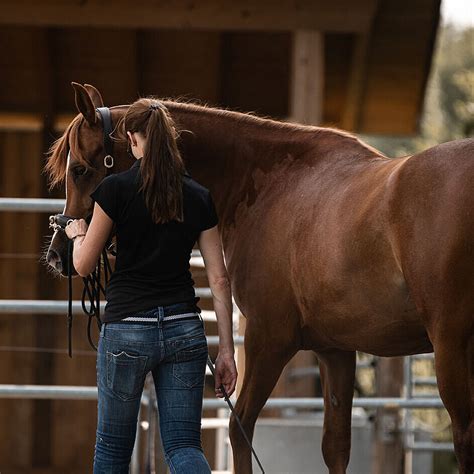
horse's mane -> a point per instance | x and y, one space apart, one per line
252 118
55 167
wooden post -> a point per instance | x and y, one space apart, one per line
388 439
307 81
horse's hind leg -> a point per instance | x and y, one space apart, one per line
337 369
454 362
264 362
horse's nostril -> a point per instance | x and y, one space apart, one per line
53 259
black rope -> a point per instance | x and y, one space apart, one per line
91 294
69 308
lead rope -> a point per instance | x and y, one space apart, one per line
90 294
237 419
69 304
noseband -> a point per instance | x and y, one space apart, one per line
105 115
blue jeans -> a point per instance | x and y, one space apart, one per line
176 354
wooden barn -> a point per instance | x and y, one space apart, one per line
360 65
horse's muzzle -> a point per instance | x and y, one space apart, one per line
59 221
53 259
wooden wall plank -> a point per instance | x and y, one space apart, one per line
180 64
256 72
104 58
20 64
20 166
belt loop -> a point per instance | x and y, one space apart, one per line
161 314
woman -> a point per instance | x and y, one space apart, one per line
151 321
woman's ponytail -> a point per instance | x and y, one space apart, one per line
162 167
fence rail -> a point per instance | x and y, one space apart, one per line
60 306
31 204
64 392
407 403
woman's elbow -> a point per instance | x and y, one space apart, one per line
220 283
82 273
82 267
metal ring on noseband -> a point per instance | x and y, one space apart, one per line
108 161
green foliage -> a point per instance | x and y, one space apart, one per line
449 101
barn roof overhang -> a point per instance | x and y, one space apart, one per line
377 53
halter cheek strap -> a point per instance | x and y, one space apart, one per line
105 115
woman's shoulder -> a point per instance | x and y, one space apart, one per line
192 187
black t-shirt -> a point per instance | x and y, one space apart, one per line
152 265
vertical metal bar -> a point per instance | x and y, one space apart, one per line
151 438
145 426
238 348
408 432
221 445
135 462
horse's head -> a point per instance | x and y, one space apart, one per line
78 159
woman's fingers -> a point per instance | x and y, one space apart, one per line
226 376
77 226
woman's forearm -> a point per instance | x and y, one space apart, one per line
77 259
222 298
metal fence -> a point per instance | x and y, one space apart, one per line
406 403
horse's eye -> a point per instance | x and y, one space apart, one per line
79 171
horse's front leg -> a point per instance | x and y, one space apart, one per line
337 369
265 358
454 361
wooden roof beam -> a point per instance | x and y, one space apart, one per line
269 15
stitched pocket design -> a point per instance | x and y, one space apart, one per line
126 374
190 365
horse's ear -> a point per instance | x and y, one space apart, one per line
84 103
94 95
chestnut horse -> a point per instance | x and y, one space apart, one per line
330 246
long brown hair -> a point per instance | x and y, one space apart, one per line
161 166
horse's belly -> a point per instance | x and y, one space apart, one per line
382 332
394 339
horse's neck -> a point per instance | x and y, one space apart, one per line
224 150
227 151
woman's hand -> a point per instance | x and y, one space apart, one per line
226 374
75 228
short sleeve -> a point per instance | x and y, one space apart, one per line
209 218
105 194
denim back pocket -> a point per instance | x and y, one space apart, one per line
189 365
126 374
